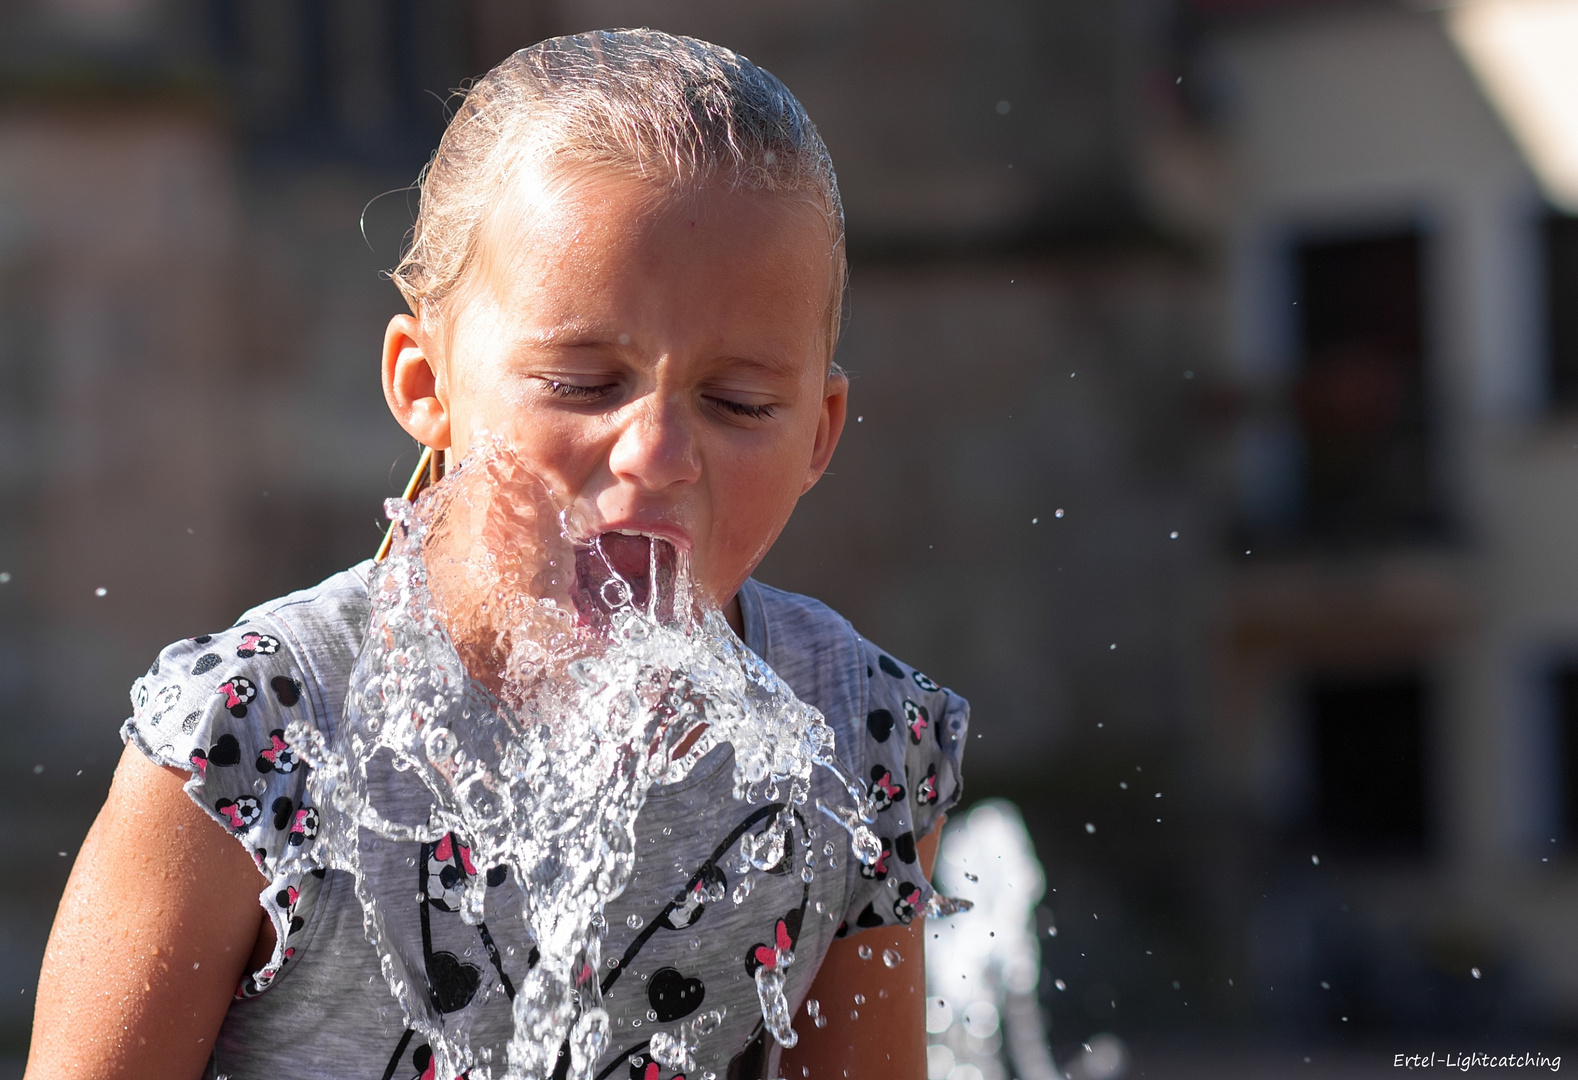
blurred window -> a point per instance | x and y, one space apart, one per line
1369 741
24 364
1561 306
1567 735
1360 394
363 80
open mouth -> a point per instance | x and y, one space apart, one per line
615 570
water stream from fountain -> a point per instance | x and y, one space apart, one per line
518 690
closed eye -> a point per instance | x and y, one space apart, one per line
566 391
739 408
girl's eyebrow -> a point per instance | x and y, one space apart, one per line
773 366
578 334
569 335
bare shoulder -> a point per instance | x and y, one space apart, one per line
871 988
157 923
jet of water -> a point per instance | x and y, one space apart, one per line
517 690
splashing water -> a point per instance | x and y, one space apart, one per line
677 1052
939 906
529 690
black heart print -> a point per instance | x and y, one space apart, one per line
672 995
452 982
227 751
288 690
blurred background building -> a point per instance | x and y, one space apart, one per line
1215 431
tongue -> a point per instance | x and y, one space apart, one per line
629 556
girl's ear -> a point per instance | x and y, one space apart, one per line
413 384
835 401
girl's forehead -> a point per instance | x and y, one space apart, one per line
551 239
602 206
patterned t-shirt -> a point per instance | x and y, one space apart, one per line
685 937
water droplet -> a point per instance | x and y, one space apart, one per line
1058 512
821 1022
635 922
37 769
1035 521
892 958
1315 859
101 591
860 419
5 577
1003 107
441 744
1474 972
854 1014
865 952
1173 535
1089 827
860 999
1060 984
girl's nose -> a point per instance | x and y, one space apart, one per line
656 447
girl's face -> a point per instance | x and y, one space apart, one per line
661 363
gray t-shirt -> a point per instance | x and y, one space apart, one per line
218 706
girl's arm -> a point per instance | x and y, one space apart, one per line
158 922
889 1038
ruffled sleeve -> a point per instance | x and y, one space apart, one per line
909 754
217 706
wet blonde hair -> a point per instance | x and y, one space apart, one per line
676 112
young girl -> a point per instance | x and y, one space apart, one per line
629 265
